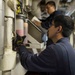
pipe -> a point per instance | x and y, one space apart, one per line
71 8
26 31
11 4
36 9
20 24
8 33
6 63
28 2
1 27
6 72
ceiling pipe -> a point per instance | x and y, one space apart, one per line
71 8
36 9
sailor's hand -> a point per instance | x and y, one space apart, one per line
18 41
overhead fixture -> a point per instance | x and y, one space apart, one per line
69 0
65 1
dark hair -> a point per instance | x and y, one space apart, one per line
67 24
51 3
